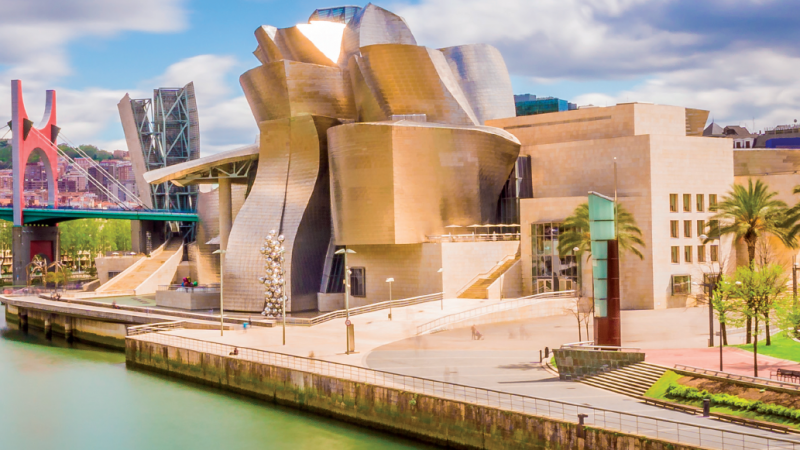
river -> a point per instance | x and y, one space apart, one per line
71 396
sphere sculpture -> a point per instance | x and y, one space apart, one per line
274 278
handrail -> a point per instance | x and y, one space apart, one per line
486 274
341 313
590 345
487 237
692 435
504 305
737 377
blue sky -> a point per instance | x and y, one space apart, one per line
733 57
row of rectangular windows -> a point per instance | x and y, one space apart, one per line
687 254
700 202
713 225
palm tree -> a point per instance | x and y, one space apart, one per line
576 232
751 213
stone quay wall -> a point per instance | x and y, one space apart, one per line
450 423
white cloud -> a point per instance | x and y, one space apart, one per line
732 57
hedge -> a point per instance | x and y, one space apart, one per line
690 393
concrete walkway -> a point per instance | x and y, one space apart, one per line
734 360
506 360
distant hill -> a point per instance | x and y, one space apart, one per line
93 152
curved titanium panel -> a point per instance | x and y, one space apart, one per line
482 74
287 196
395 183
294 45
367 107
288 88
267 50
374 25
407 79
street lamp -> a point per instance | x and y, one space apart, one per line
577 266
350 331
441 270
221 254
390 281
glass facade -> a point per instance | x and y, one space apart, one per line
550 271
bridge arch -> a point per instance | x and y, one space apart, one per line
51 172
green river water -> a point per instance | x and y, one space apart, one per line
63 397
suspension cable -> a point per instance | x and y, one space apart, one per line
100 168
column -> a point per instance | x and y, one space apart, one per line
225 212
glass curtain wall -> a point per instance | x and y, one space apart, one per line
551 272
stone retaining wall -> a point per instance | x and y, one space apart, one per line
574 363
445 422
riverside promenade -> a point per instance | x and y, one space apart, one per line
500 372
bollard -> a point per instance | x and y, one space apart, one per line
581 430
547 352
540 357
706 407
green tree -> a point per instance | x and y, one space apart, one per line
725 302
759 289
576 232
751 212
6 238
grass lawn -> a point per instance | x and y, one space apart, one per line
782 347
658 391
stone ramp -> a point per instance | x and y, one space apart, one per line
633 380
480 288
132 280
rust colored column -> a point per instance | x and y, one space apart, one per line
608 330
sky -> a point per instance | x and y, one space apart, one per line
739 59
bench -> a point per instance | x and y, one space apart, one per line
786 375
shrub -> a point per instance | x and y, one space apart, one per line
690 393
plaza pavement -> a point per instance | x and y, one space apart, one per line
507 359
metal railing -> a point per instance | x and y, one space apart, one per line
737 377
694 435
340 314
589 345
441 323
488 237
201 288
486 274
155 327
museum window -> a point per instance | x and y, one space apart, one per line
673 228
551 272
746 144
700 204
713 228
712 202
701 253
687 202
358 282
675 255
681 284
714 253
673 202
701 227
687 228
687 254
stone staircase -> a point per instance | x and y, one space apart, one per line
633 380
132 280
479 289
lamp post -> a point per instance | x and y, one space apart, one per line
441 270
577 266
221 254
350 330
390 281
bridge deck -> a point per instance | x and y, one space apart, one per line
55 215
